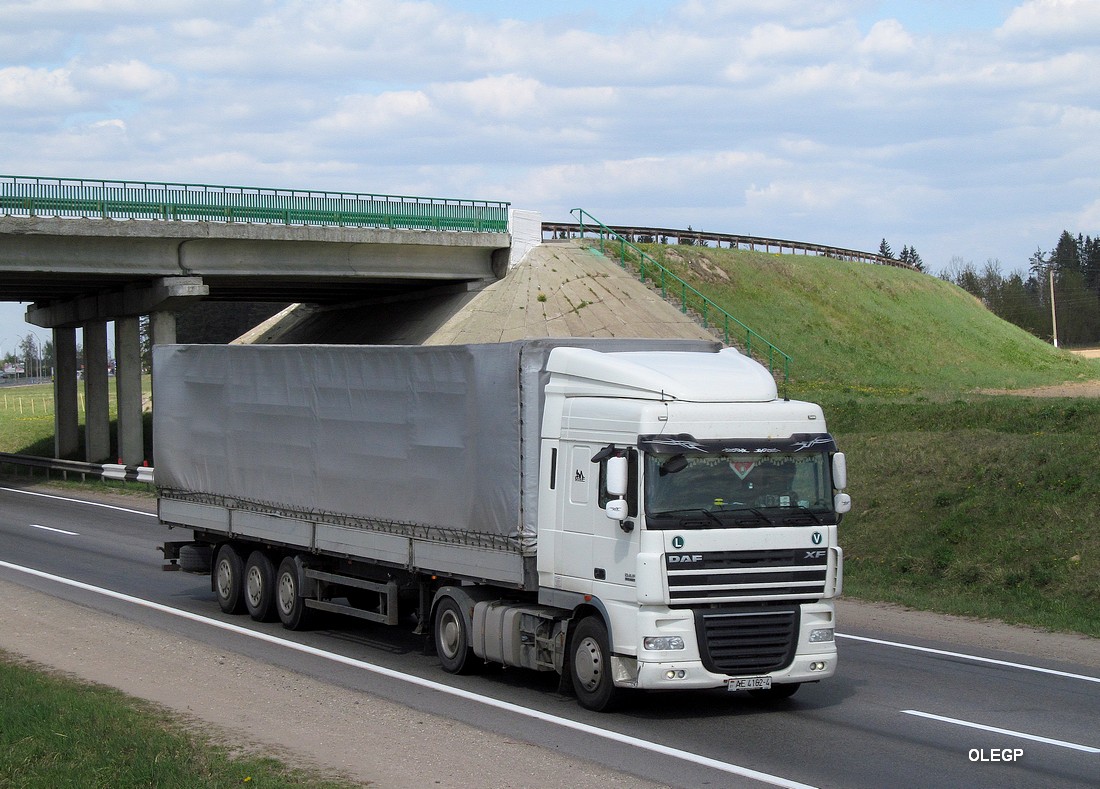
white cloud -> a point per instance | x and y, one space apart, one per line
1041 21
369 113
888 40
37 89
132 76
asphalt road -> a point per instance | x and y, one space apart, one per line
924 713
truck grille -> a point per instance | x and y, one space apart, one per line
747 642
742 576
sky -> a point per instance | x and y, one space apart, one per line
967 130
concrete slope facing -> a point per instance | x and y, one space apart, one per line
562 289
559 289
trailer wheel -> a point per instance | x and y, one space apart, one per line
289 603
590 666
229 579
259 587
452 640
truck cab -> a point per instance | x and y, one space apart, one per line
689 519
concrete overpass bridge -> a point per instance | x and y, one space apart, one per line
85 253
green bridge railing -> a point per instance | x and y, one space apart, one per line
79 197
674 288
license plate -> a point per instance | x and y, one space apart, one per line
750 683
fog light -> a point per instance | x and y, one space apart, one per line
818 665
663 642
673 674
821 634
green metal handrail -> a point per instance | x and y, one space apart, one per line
79 197
689 297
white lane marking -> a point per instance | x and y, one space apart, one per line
79 501
1008 732
583 728
51 528
975 658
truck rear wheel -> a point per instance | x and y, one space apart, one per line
590 666
229 579
452 638
289 603
259 587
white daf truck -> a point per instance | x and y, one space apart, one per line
631 514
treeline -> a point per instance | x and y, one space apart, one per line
1025 298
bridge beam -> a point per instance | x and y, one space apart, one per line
164 295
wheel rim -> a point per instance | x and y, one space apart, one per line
225 580
254 586
287 593
450 633
588 664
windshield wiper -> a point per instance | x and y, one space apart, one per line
802 515
758 516
724 517
685 513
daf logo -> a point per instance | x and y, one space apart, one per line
815 554
686 558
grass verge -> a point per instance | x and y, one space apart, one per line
56 732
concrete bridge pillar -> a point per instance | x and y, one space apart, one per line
131 432
162 328
97 407
66 414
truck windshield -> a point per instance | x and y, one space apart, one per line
705 489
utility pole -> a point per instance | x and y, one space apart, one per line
1053 312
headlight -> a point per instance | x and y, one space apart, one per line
663 642
821 634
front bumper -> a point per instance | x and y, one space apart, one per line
810 661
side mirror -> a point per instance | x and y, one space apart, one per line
842 503
617 510
616 476
840 471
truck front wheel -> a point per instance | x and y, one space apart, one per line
452 639
590 666
289 603
228 579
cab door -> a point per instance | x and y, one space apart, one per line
574 548
615 544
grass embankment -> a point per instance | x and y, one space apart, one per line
58 732
964 503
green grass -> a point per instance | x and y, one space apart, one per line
27 419
873 331
56 732
963 503
992 517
